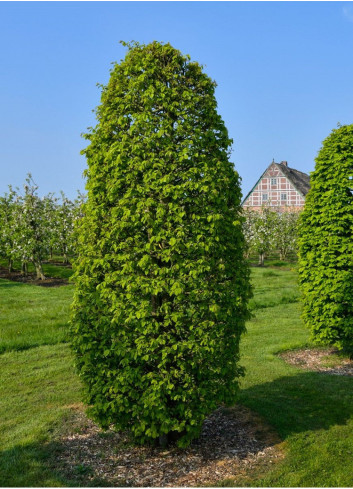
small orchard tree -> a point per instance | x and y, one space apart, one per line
270 229
32 226
248 230
263 225
285 232
326 243
64 217
161 282
52 221
7 226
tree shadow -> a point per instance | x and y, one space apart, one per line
38 465
7 284
17 278
308 401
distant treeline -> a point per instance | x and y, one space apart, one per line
33 228
271 230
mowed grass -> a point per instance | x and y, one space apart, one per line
38 390
31 315
273 286
312 412
38 384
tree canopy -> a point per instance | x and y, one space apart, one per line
326 243
161 281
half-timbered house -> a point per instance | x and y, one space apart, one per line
279 186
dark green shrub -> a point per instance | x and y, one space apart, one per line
326 243
161 282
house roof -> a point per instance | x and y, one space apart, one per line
299 180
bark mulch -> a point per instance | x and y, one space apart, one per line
30 278
316 358
233 443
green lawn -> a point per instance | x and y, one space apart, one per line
37 389
312 412
273 287
31 315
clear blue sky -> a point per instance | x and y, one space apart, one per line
284 72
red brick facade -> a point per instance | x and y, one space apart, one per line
278 187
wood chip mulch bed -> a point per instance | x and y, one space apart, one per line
233 443
315 359
30 278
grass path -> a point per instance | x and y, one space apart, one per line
312 412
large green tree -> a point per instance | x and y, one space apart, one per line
161 281
326 243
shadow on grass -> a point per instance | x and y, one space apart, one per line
38 465
307 401
18 346
7 284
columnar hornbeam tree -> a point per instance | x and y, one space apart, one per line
161 281
326 243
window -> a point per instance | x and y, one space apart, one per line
283 196
273 181
264 197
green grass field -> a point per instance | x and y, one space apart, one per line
32 315
311 412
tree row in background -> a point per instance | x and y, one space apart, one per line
270 231
33 228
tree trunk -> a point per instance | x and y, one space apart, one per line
10 265
24 268
170 438
262 259
39 270
163 441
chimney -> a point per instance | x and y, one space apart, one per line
284 163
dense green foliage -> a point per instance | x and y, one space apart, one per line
161 282
326 243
